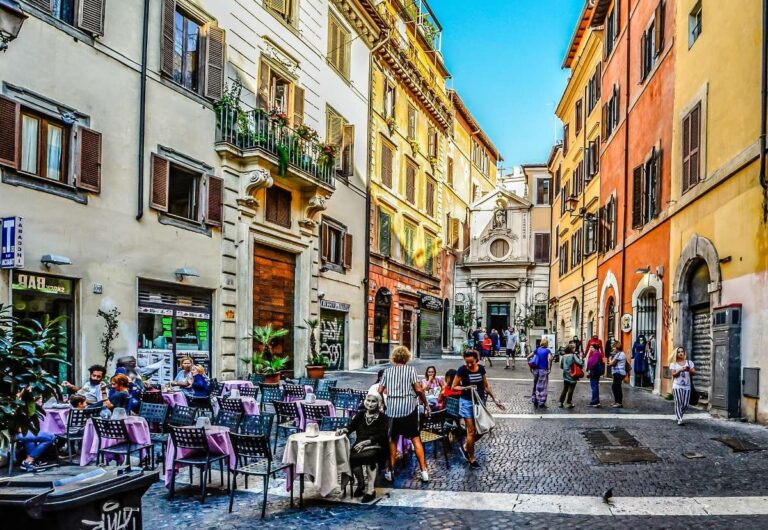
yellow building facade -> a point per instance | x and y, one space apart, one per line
719 237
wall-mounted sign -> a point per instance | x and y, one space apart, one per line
42 284
432 303
334 306
626 323
12 247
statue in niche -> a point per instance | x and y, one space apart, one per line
500 218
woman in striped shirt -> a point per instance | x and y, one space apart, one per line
403 394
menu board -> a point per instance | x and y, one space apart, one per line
430 332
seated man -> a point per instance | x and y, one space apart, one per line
371 448
95 389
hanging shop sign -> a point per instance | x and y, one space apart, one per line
11 243
334 306
429 302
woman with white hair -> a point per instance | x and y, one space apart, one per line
371 447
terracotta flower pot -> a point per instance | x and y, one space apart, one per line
315 372
271 379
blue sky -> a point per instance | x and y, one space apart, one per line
505 57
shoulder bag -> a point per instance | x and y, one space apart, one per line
533 362
484 422
575 371
627 370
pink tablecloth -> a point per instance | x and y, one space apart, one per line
175 398
229 385
138 433
323 402
218 443
54 421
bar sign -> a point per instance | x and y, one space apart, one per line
12 249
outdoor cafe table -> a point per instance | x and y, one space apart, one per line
175 398
54 421
227 386
250 406
323 402
138 433
321 459
218 443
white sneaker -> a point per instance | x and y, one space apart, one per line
679 422
424 476
388 475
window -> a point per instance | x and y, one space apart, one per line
385 233
543 196
576 242
557 181
646 190
652 42
449 174
412 119
612 29
557 242
410 183
186 45
338 46
429 253
409 243
578 179
578 116
563 264
433 142
590 239
185 192
694 24
566 139
480 157
607 226
592 159
278 209
541 248
593 88
499 248
42 146
453 232
387 156
611 113
565 192
539 315
341 134
283 9
692 147
64 10
335 246
429 199
89 17
389 99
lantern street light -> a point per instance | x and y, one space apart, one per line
11 20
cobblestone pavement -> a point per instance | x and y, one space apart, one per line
535 456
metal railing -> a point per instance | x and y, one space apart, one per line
255 129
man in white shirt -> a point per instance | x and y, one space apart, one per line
95 389
511 338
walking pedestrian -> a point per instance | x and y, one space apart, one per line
485 353
570 358
511 339
540 362
496 339
404 392
596 369
595 340
468 376
618 364
682 370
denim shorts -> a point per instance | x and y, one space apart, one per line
466 409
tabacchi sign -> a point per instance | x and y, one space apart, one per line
12 238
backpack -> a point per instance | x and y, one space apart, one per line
575 371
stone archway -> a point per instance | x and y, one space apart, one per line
609 282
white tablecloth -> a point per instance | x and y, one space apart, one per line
321 459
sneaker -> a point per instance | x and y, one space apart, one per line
474 465
388 475
560 405
679 422
464 452
571 405
29 467
368 497
424 476
617 406
506 367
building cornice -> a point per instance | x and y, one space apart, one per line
363 16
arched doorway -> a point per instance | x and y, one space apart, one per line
381 313
645 326
700 314
575 320
447 327
610 323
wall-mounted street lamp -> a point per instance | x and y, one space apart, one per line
11 20
50 260
185 272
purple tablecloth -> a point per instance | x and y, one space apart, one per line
138 433
229 385
218 443
175 398
323 402
54 421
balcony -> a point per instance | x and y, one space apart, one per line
419 13
253 133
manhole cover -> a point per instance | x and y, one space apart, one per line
626 455
615 437
739 445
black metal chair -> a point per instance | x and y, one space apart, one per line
76 421
216 387
308 381
433 429
152 397
182 416
249 391
336 392
254 459
270 394
452 407
258 425
229 419
287 414
348 403
202 403
323 394
156 416
256 379
325 384
232 405
193 439
115 430
313 413
294 392
331 423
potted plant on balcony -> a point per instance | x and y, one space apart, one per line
307 133
231 116
278 117
328 153
316 362
263 361
392 125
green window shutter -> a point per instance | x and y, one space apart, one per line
385 234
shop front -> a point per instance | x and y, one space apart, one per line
333 333
44 298
430 326
174 322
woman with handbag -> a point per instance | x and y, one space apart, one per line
682 386
596 369
618 364
540 363
471 379
573 370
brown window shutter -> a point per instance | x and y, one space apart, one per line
89 161
215 202
348 151
9 132
637 197
167 42
659 27
42 5
686 152
159 196
298 105
410 184
263 94
90 16
695 144
284 208
347 251
465 234
657 175
604 120
386 165
643 53
215 51
324 243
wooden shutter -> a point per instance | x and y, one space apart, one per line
686 152
695 145
284 208
167 41
465 234
281 6
659 27
348 151
385 233
347 251
215 51
333 42
637 197
9 132
454 233
643 55
410 183
432 142
159 177
599 83
42 5
263 93
325 243
215 200
604 121
89 160
298 106
90 16
657 176
386 165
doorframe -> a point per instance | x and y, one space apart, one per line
650 281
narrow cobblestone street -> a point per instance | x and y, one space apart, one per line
538 471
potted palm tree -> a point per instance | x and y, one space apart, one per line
316 362
263 361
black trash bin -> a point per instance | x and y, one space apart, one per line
87 498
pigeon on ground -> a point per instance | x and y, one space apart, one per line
607 496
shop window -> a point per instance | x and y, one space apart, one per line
335 246
278 209
186 193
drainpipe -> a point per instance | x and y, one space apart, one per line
626 169
142 114
584 208
763 109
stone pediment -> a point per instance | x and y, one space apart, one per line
500 285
